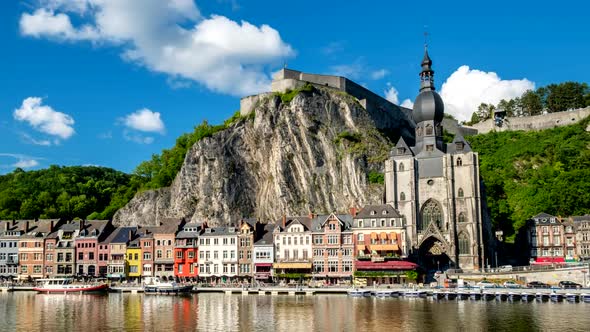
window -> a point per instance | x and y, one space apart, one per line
360 237
80 256
461 217
428 129
305 254
332 266
191 255
216 254
168 253
159 253
307 239
460 192
557 241
430 147
286 254
295 240
333 239
373 223
333 252
401 167
318 239
382 222
180 268
459 162
464 244
49 257
360 223
318 266
332 227
179 254
459 146
402 197
401 150
431 213
347 266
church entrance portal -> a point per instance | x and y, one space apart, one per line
432 257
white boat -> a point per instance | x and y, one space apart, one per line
570 297
153 285
385 293
357 292
585 297
415 293
66 285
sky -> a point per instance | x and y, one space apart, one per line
111 82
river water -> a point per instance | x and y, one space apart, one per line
27 311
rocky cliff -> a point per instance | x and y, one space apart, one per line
311 153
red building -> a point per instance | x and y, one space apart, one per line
87 246
186 251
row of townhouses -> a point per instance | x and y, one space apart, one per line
553 239
332 248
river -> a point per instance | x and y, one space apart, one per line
27 311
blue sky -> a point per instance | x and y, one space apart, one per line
109 83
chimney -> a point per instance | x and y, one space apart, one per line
6 224
51 225
130 235
353 212
27 226
284 220
81 224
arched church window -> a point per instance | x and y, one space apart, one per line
460 192
431 213
419 131
459 162
461 217
401 167
402 197
464 244
428 129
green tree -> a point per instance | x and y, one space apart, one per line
474 118
485 111
531 103
567 95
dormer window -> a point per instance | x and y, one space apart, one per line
459 146
373 213
430 147
384 212
401 150
361 223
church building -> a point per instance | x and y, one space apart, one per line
437 188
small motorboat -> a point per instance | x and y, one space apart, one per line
542 297
450 295
570 297
384 293
513 296
501 296
475 295
585 297
526 297
66 285
555 297
153 285
462 295
357 292
415 293
489 296
438 295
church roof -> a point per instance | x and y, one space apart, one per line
455 145
407 150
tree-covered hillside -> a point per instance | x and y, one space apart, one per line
538 171
67 192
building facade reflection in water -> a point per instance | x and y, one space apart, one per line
23 311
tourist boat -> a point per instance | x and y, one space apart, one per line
585 297
65 285
462 295
438 295
153 285
356 292
570 297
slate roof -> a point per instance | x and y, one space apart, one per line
390 212
303 220
220 231
39 228
319 221
184 234
13 226
168 226
120 235
266 238
581 218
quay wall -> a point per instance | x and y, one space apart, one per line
578 274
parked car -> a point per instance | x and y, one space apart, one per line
569 284
537 284
511 284
486 284
505 268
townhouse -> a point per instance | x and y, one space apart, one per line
164 239
546 238
133 257
333 248
186 253
218 254
246 236
87 246
582 242
146 242
263 257
117 252
293 248
31 247
10 232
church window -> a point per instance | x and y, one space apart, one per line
401 167
402 197
429 147
419 131
460 192
461 217
429 129
431 213
463 244
401 150
459 162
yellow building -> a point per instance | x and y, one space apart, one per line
133 260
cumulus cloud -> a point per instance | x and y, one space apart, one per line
145 120
170 37
392 94
466 88
45 119
22 161
379 74
407 103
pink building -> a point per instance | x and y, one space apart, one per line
87 246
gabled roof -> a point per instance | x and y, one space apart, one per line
401 143
266 238
378 211
168 226
452 147
318 222
39 228
302 220
190 231
120 235
581 218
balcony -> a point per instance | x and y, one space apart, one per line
12 261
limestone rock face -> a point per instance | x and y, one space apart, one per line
312 154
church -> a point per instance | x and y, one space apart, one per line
437 188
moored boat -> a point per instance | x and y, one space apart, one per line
570 297
66 285
415 293
357 292
555 297
585 297
153 285
384 293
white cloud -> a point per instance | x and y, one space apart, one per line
407 103
466 88
31 140
45 119
170 37
137 138
22 161
391 94
145 120
333 47
379 74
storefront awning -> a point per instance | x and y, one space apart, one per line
387 265
262 264
292 265
374 235
383 235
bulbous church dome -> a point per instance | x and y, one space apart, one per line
428 105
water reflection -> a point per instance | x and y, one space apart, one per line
220 312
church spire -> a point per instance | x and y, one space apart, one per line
427 74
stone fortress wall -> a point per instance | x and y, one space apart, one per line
536 122
385 114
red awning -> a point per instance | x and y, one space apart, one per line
263 264
549 260
388 265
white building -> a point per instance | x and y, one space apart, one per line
264 254
293 248
218 253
